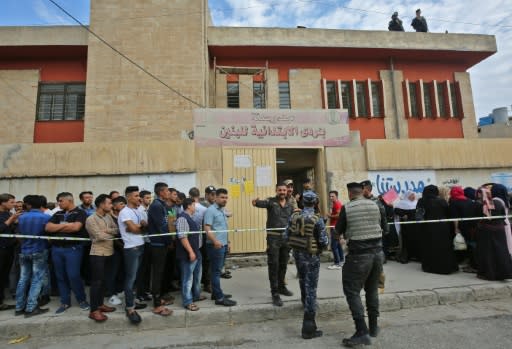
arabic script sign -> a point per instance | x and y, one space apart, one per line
271 127
401 181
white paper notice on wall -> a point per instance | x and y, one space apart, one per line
264 176
242 161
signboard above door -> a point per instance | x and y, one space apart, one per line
271 127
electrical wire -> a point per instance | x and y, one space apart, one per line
126 57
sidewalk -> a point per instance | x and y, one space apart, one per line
406 287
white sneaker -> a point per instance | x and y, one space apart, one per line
114 300
334 267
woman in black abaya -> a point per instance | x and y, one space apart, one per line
437 254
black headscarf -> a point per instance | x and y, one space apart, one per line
430 192
470 193
500 191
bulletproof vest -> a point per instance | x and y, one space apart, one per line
301 233
363 220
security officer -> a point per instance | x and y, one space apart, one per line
367 193
307 237
279 210
361 223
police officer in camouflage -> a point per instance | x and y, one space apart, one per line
361 224
307 237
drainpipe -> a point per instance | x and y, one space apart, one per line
395 106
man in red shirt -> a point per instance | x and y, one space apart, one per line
336 247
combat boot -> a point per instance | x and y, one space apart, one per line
309 330
361 336
374 327
318 333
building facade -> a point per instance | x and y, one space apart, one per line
262 105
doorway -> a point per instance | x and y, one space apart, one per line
299 164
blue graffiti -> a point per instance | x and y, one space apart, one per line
385 184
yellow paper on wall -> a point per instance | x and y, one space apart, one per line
234 191
249 187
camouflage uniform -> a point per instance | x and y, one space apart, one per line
307 236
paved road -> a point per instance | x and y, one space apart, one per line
475 325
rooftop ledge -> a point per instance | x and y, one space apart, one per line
336 38
64 35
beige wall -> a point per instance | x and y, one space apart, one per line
305 88
18 96
395 124
469 126
124 103
246 91
100 158
495 131
273 89
438 154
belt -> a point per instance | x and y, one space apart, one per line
371 250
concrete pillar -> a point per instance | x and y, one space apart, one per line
395 123
305 88
246 93
272 89
469 126
221 91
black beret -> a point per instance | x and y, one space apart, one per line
354 185
366 183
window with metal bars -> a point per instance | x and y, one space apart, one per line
346 97
258 95
362 107
441 100
233 95
376 99
284 95
427 100
332 95
453 98
63 101
413 99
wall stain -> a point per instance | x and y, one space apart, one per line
9 154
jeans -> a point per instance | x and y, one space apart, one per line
6 259
99 268
216 264
158 274
337 250
33 274
278 255
362 271
67 261
144 274
191 279
132 260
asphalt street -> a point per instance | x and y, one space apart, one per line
475 325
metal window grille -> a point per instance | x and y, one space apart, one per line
233 95
284 95
61 102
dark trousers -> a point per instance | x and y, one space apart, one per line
99 268
216 265
206 277
278 255
85 268
308 270
362 271
6 258
170 272
158 273
337 250
144 274
114 281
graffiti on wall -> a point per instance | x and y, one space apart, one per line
401 181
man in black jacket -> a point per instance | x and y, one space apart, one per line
396 23
419 23
7 245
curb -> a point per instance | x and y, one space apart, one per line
252 313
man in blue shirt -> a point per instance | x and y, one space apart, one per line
33 258
216 226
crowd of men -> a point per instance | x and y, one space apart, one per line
146 245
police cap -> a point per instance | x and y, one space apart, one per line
366 183
309 197
210 189
354 185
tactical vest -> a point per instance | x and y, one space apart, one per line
363 220
301 233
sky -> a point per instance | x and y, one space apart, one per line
491 79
